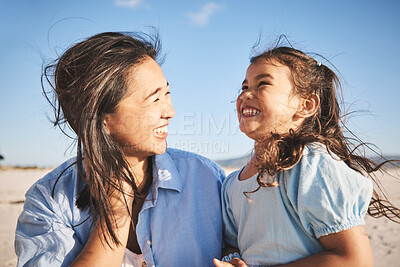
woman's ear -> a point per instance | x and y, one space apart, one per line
308 106
105 124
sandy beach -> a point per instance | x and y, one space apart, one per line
384 234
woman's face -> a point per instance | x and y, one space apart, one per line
139 124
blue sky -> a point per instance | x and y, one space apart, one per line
207 46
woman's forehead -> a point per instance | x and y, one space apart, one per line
145 77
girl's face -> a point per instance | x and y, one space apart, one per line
139 124
267 102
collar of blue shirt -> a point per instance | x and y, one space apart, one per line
165 176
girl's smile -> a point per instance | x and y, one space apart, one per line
267 103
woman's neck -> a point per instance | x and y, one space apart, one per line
139 169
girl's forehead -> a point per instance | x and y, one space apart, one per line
263 67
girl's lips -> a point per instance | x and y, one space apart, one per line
249 111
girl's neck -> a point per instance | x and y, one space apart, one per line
249 170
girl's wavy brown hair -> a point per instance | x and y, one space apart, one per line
87 82
281 152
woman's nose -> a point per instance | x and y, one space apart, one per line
168 112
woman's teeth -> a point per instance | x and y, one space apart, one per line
250 111
161 130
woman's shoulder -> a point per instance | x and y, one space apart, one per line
61 178
177 153
201 161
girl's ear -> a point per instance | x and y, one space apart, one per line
308 106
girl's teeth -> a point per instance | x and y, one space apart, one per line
161 130
250 111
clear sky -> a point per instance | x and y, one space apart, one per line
207 46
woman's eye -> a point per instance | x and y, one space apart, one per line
156 100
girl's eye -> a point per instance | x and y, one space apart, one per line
263 83
244 88
168 93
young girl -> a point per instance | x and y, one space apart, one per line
301 200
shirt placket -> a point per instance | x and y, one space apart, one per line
144 235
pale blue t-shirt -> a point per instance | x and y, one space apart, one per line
180 223
317 197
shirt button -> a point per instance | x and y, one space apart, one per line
148 242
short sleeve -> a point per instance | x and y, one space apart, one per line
229 226
328 196
42 236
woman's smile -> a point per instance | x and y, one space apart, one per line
161 132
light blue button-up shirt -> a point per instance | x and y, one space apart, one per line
180 223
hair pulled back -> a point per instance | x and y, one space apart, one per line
279 152
88 81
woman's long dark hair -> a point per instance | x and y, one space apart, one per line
279 152
88 81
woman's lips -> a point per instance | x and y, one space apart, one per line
161 132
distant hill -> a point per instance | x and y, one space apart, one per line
237 163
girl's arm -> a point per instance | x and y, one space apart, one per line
228 249
346 248
96 251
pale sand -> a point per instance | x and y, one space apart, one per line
384 235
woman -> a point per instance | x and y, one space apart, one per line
125 199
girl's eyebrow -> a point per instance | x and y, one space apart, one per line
260 76
264 75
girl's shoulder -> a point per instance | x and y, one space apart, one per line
232 178
316 155
327 195
319 169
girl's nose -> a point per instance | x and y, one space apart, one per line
247 94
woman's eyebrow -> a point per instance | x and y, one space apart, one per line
156 91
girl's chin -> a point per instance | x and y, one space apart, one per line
256 136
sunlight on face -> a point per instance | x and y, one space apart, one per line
140 122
